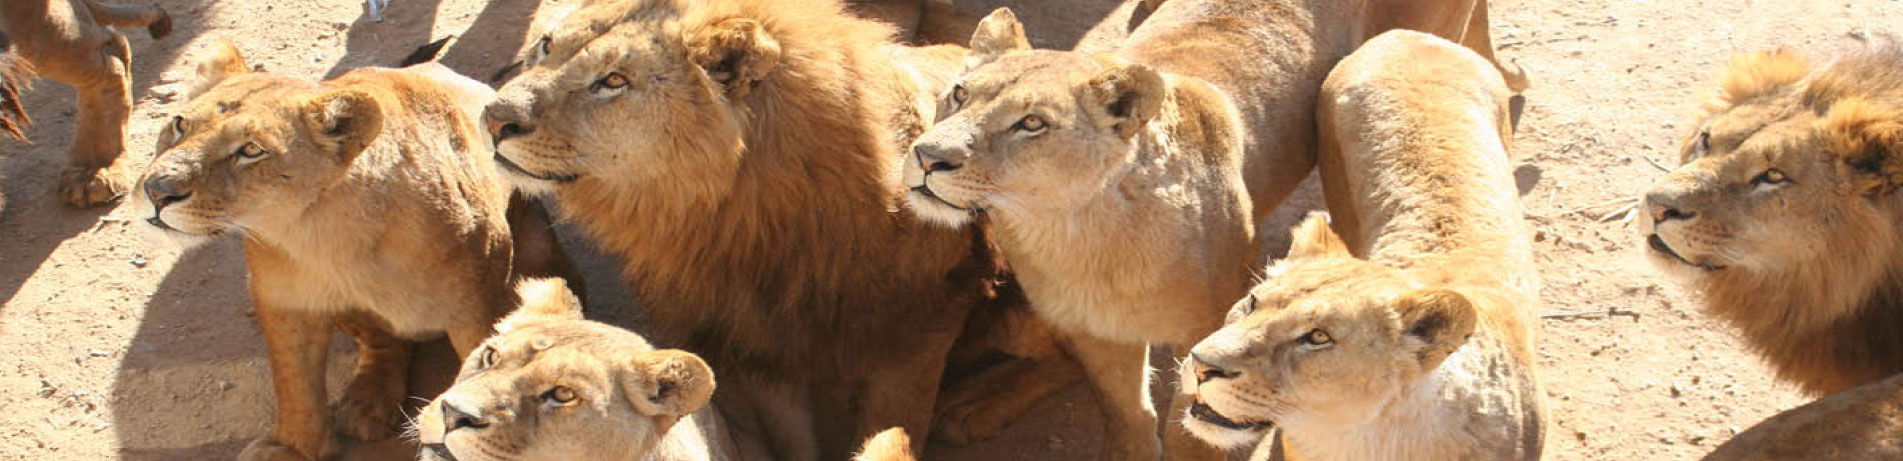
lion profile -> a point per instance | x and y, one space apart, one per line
367 203
1785 214
1406 336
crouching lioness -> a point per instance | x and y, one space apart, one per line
1421 350
368 202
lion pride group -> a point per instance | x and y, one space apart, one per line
822 213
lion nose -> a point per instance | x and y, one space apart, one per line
505 122
456 418
1663 208
165 190
1206 372
935 160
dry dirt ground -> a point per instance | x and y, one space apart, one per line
116 348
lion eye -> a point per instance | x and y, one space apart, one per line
559 395
488 358
251 151
959 93
1704 140
1316 337
613 81
1030 124
178 125
1771 177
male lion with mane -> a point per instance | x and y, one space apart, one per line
368 202
1785 214
742 159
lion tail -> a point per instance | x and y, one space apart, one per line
16 76
891 445
152 18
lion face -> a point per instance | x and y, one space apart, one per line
1028 128
551 386
1325 339
1786 176
252 148
628 90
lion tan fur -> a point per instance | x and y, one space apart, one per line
742 159
1410 338
1122 210
552 386
369 202
70 41
1858 424
1784 213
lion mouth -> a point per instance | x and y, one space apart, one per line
926 192
1659 245
1203 412
511 166
438 452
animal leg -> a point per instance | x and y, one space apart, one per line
93 174
371 407
1119 373
1480 40
297 343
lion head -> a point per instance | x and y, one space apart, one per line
1325 339
551 386
1029 128
1784 209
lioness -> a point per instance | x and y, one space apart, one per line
1267 58
368 201
742 158
1859 424
70 42
1117 196
1785 214
1422 350
552 386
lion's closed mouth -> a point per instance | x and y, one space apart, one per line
1203 412
927 192
1658 244
440 451
511 166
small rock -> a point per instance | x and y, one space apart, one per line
139 261
98 352
224 385
1676 391
1860 34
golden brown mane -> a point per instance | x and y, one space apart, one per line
1826 322
16 76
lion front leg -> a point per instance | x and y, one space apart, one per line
297 342
94 175
1119 373
371 407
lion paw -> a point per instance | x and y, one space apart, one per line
84 187
367 413
268 449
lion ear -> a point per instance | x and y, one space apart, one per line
1756 74
1867 140
736 54
1312 238
1440 318
998 33
222 61
344 122
543 300
1130 93
668 382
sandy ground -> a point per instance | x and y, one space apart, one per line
116 348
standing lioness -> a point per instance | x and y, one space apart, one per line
1408 340
368 202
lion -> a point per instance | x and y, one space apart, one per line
742 158
1267 59
1117 197
1859 424
1410 337
552 386
70 41
1784 214
369 202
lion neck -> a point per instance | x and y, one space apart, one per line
1446 414
1827 325
1181 186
